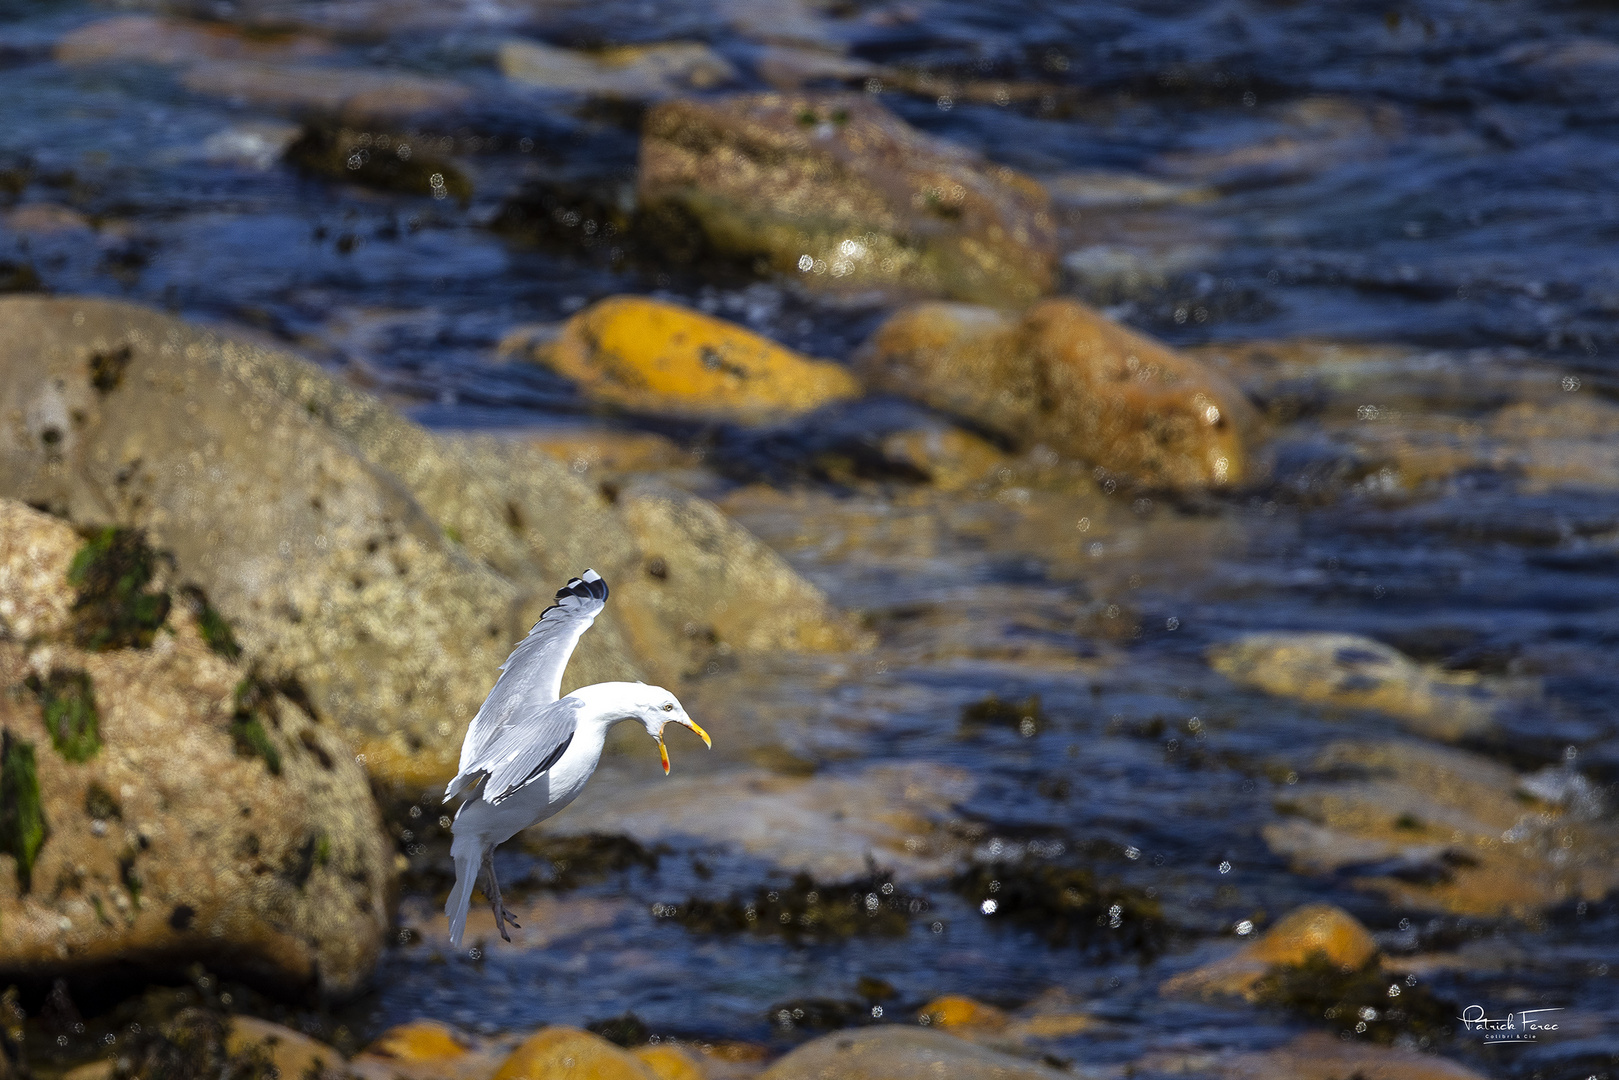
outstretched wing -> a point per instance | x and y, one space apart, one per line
523 750
532 674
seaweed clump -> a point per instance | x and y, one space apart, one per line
115 608
68 705
378 160
1026 717
626 1031
805 910
578 860
22 818
192 1047
1365 1002
1068 905
818 1014
255 702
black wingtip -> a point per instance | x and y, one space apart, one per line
587 586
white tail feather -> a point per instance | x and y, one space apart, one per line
468 854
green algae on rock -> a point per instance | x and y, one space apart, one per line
67 701
1025 717
1064 376
114 608
842 195
23 829
200 855
210 623
315 518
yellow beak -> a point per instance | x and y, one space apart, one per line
663 751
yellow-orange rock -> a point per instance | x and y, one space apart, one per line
423 1050
1063 375
670 1062
1314 928
292 1052
959 1011
564 1053
652 356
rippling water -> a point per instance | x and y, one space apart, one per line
1439 175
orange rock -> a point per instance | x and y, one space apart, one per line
1064 375
658 357
957 1011
1310 929
670 1062
292 1052
564 1053
424 1050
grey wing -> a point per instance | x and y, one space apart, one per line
533 672
524 749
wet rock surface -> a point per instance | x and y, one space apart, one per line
901 1053
840 194
1065 376
174 811
1352 672
365 523
1439 829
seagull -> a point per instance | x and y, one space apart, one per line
529 751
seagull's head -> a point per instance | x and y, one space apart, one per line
660 708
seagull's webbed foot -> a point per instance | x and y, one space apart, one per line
502 916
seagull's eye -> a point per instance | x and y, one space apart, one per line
669 707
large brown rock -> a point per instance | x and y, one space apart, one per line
389 569
891 1052
843 195
162 812
1063 375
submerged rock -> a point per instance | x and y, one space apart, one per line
1354 672
1063 375
1313 929
152 39
652 356
1436 829
380 160
628 72
388 569
355 95
714 579
890 1052
1312 1057
564 1051
842 195
900 817
177 809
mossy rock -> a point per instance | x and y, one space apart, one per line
1367 1002
1068 906
805 910
116 608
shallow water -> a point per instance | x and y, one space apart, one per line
1438 176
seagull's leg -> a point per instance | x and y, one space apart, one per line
502 916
